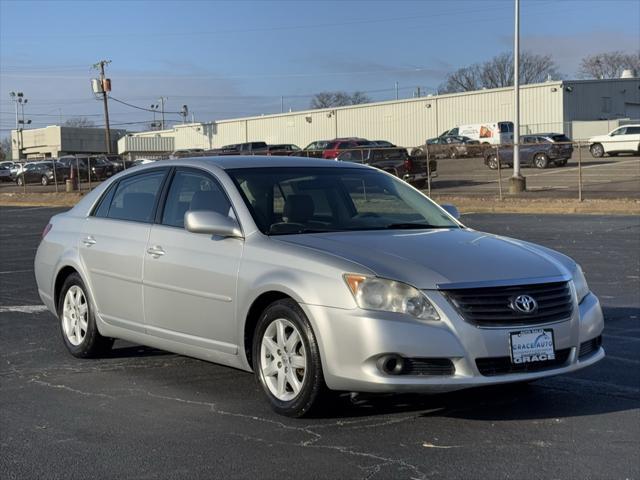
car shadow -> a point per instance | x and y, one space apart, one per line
131 351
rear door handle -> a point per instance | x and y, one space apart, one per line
156 251
88 241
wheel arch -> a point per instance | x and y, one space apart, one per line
61 276
253 315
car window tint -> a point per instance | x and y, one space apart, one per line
192 190
135 197
105 202
633 130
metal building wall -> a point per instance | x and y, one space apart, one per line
587 100
404 122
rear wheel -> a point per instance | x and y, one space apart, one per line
597 150
541 160
77 321
44 180
286 359
20 181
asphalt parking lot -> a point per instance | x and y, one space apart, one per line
608 177
143 413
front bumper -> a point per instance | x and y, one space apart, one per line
352 342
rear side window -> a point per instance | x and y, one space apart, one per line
560 138
633 130
135 197
192 190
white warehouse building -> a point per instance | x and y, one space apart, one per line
579 108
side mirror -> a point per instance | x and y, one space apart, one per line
212 223
451 210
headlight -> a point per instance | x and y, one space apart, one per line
373 293
582 289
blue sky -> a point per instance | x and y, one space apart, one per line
228 59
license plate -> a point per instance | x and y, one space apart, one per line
535 345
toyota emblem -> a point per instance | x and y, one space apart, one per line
524 304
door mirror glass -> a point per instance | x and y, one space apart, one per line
212 223
451 210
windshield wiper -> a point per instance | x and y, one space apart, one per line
416 226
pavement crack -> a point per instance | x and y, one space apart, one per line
69 389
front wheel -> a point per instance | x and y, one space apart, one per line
77 321
44 181
597 150
541 161
492 162
286 359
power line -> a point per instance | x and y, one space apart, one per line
137 107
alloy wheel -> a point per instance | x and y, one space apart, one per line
75 315
283 359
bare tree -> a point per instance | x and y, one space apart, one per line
79 122
338 99
5 149
609 64
498 72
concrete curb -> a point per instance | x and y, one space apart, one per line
618 206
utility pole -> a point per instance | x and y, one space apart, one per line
105 87
396 90
517 183
281 104
162 100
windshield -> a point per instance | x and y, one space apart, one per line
310 200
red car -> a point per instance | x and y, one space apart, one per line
333 148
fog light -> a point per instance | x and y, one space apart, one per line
391 364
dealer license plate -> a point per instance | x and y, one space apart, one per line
535 345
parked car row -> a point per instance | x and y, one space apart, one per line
50 170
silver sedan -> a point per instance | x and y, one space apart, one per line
318 276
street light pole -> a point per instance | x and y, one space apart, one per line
162 100
517 183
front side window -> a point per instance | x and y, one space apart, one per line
135 197
192 190
308 200
619 131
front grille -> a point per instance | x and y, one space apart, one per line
428 366
590 346
502 365
491 306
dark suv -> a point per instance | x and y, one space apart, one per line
539 150
100 167
396 161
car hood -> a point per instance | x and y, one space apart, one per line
442 258
599 138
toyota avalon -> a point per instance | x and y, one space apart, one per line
317 276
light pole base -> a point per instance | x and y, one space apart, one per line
517 184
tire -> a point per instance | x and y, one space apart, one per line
20 181
418 153
597 150
44 181
74 306
541 160
453 154
270 362
492 162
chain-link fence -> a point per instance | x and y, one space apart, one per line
552 165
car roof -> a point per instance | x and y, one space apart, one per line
230 162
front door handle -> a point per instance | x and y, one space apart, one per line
88 241
156 251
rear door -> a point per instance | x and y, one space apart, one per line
190 278
112 247
632 138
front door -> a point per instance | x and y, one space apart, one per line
190 278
